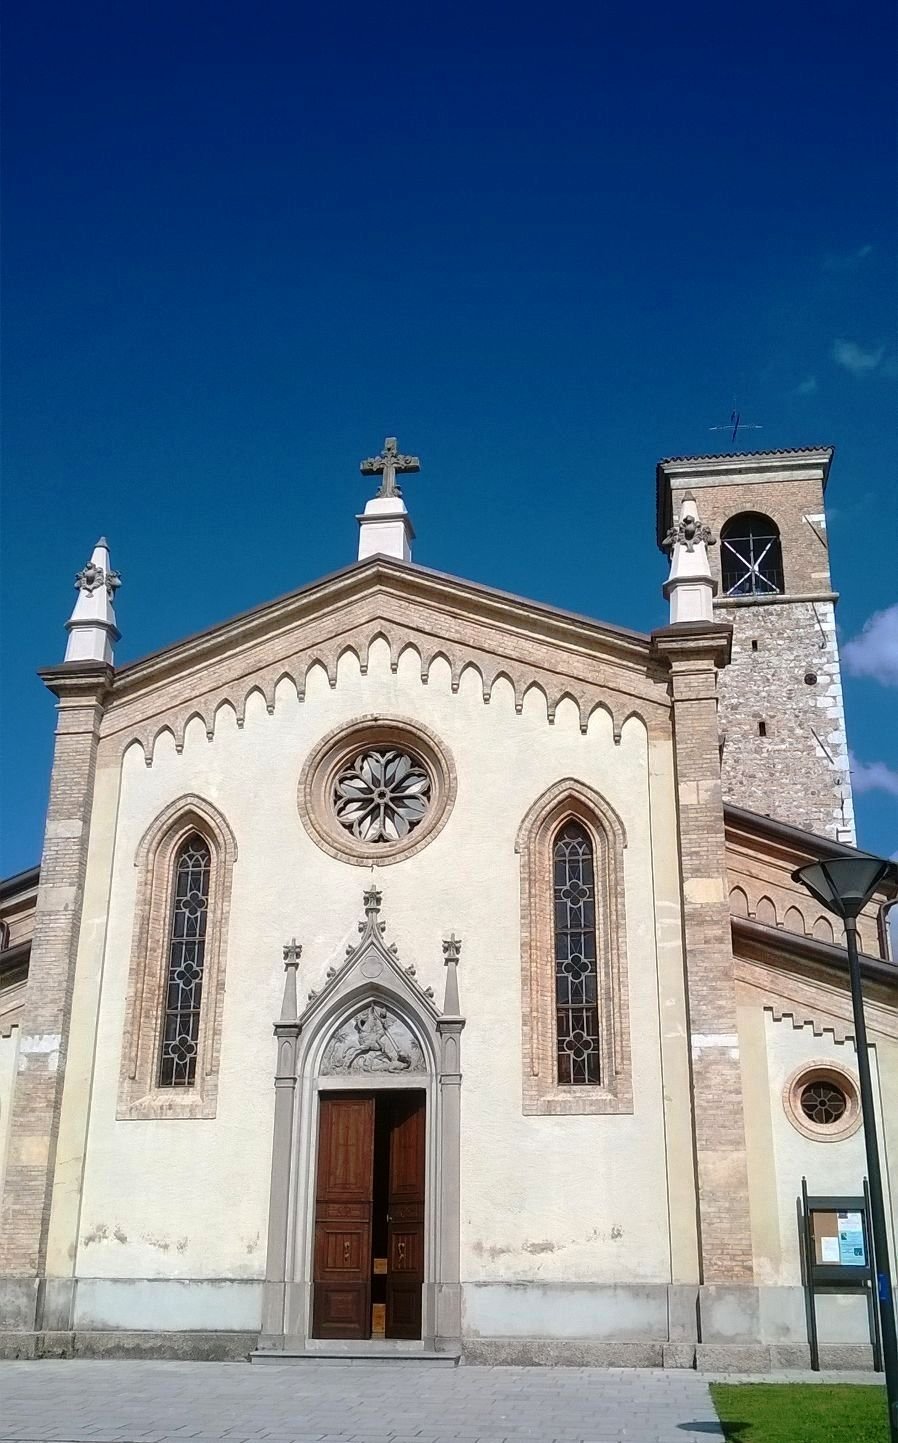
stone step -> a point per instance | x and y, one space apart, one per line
361 1353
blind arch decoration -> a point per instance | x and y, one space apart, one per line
751 556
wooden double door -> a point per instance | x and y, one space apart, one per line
369 1215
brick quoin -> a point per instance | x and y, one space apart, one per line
37 1099
694 651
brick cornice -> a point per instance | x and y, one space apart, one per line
780 947
78 681
693 643
562 656
462 599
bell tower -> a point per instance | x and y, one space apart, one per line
784 751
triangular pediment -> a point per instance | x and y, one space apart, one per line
499 635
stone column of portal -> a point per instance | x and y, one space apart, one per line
449 1026
286 1030
81 687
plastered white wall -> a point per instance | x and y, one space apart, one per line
581 1198
830 1167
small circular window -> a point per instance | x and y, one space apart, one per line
376 791
822 1102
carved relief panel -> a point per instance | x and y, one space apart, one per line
373 1040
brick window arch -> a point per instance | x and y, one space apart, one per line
173 1018
575 1021
751 556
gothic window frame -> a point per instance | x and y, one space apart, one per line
760 563
142 1094
567 801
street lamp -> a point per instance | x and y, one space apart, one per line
844 885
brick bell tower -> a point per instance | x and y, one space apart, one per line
784 751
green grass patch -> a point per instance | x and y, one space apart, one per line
801 1412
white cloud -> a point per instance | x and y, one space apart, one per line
875 652
807 387
848 261
873 777
855 359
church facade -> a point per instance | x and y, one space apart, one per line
414 967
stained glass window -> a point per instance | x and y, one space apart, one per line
576 969
186 949
751 556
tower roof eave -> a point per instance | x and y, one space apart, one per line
686 468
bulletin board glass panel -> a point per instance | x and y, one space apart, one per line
838 1238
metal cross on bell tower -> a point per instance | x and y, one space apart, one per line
390 462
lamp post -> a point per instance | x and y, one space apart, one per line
844 885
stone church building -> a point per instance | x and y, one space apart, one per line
413 967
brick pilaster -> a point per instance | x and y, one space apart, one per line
694 652
81 688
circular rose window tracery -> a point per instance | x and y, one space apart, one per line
376 791
822 1102
382 795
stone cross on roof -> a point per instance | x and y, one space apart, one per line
389 462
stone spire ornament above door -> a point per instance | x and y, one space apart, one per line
92 627
384 527
690 586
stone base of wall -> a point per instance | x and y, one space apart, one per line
193 1347
718 1328
493 1352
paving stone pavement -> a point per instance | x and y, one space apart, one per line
84 1401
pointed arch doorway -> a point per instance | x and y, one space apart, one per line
366 1157
370 1197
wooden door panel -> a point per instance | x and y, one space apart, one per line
406 1249
405 1275
346 1149
341 1250
341 1305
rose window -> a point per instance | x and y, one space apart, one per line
382 795
823 1103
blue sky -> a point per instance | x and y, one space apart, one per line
245 242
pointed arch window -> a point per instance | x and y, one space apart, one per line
174 1015
574 990
186 961
576 963
751 556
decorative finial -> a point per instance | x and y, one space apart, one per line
292 954
373 898
451 948
690 587
389 462
451 954
90 577
92 626
688 531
